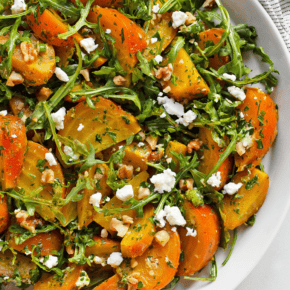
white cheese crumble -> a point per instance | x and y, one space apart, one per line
242 115
231 188
6 278
18 6
155 8
215 180
83 280
3 113
51 262
174 216
14 136
81 127
158 58
178 18
88 44
115 259
230 77
99 261
125 192
154 40
164 181
160 218
69 152
58 118
140 144
104 233
174 229
191 232
163 115
50 159
108 31
237 93
61 75
171 107
247 141
187 118
95 199
160 94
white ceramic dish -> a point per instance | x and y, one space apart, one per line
253 242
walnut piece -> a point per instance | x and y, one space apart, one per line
47 176
152 141
143 192
119 81
186 184
125 171
86 74
98 175
190 19
43 94
241 150
14 79
119 227
29 51
127 219
133 263
26 221
162 238
164 73
193 145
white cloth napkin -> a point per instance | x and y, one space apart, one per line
279 11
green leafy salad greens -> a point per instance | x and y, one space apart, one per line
110 111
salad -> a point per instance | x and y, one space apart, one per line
131 140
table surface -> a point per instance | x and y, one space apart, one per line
272 272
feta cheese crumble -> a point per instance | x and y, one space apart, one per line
61 75
242 115
99 261
88 44
174 229
158 58
187 118
247 141
163 115
164 181
51 262
178 18
95 199
160 218
3 113
81 127
230 77
18 6
125 192
160 94
237 93
58 118
50 159
215 180
191 232
69 152
83 280
154 40
232 188
108 31
115 259
140 144
174 216
171 107
14 136
155 8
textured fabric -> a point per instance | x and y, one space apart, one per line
279 11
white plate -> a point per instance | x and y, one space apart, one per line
253 242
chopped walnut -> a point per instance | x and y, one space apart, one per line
69 249
29 51
156 155
119 81
47 176
142 135
241 150
208 4
143 192
133 263
26 221
127 219
43 94
125 171
162 238
98 175
167 89
152 141
193 145
164 73
152 263
133 278
190 19
186 184
86 74
14 79
119 227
